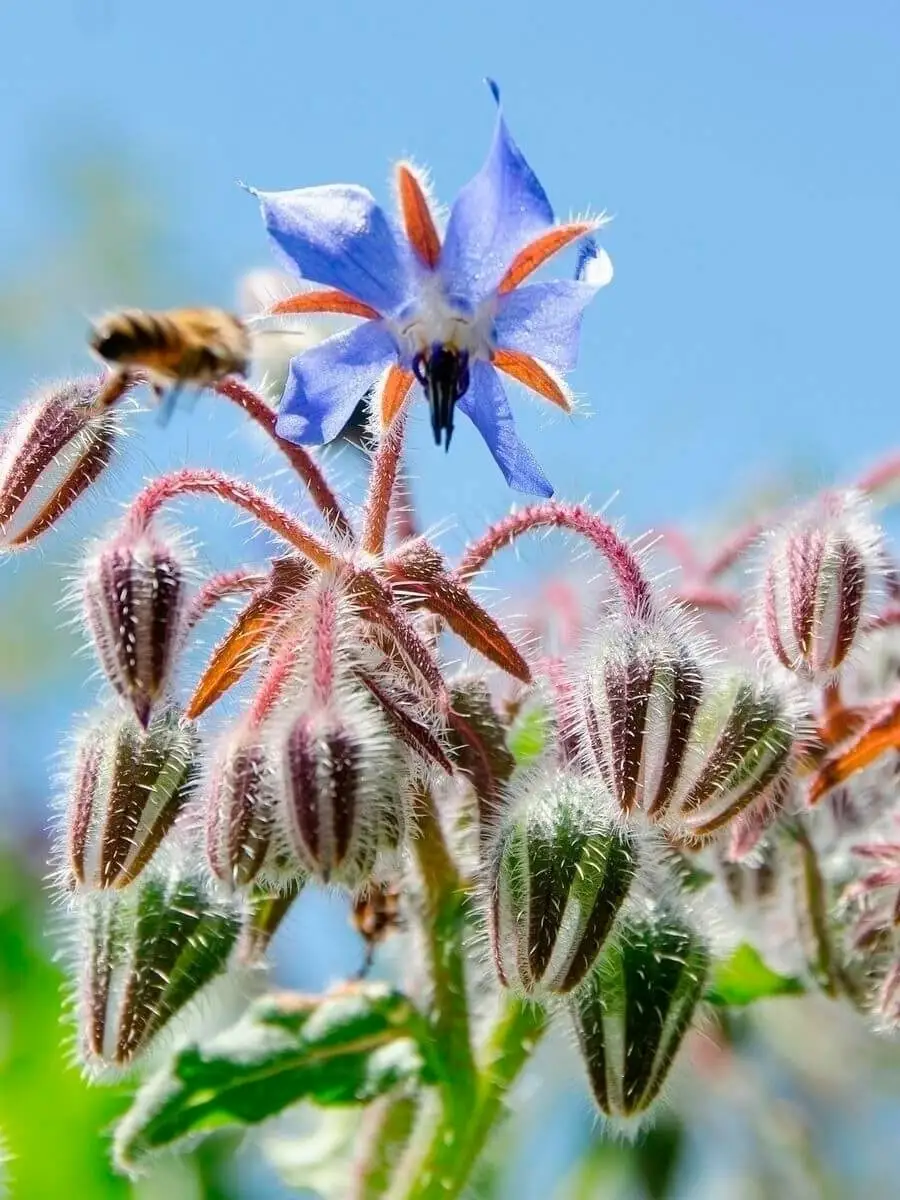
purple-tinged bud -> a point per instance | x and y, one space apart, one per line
642 691
239 804
144 955
741 749
341 789
127 787
633 1011
557 875
54 449
134 598
820 573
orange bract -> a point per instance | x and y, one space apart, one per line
536 253
530 372
880 735
394 393
417 218
329 300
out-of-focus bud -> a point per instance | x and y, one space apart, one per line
54 449
633 1010
341 789
557 875
127 787
640 699
819 575
134 598
144 954
239 802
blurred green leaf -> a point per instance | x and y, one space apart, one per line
347 1047
744 978
528 735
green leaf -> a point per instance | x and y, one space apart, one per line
347 1047
744 978
528 735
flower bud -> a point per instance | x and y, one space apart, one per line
341 789
239 800
128 786
633 1010
741 748
639 703
147 951
557 875
134 599
819 574
54 449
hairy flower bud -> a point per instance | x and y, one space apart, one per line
54 449
633 1010
341 789
239 801
557 875
127 787
818 576
688 747
134 600
638 706
145 954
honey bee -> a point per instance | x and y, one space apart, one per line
178 347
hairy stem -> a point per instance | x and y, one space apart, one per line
201 482
446 1167
300 459
633 586
221 587
381 485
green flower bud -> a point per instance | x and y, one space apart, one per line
558 872
145 954
633 1010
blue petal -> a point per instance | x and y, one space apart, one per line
494 216
486 406
544 320
327 382
338 236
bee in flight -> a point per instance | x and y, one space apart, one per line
178 347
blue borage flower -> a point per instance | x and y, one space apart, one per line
447 313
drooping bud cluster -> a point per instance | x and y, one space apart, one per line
134 599
127 787
688 745
633 1011
146 952
557 875
820 573
55 448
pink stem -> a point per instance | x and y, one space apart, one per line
886 619
880 476
324 636
220 587
711 598
634 588
191 481
381 485
405 524
299 458
734 549
276 678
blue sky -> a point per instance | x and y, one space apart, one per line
747 151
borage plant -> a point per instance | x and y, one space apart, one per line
577 832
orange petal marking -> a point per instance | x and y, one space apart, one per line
396 389
417 218
329 300
537 252
530 372
879 736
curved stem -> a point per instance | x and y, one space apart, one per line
381 485
201 482
221 587
299 458
633 586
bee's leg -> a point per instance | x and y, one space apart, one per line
167 401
